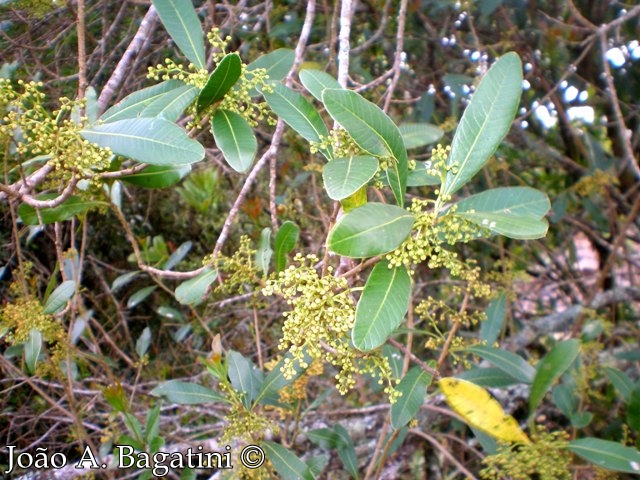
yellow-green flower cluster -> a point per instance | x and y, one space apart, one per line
319 323
430 233
33 131
247 425
238 99
238 270
545 458
339 142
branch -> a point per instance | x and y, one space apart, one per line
343 50
147 27
397 61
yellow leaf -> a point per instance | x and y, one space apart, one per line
480 410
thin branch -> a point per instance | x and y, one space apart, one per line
444 452
33 202
147 27
346 12
397 61
235 209
82 50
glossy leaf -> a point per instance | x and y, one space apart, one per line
32 350
550 369
244 377
480 410
157 176
508 362
277 64
144 342
133 105
419 134
123 280
223 78
317 81
235 139
264 251
414 390
297 112
193 290
373 229
183 25
139 296
607 454
178 255
485 121
621 381
633 409
515 212
346 450
373 131
172 104
285 241
185 393
288 466
149 140
344 176
59 297
69 208
491 328
382 306
490 377
420 176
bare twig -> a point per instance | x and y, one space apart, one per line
397 60
346 12
82 50
135 47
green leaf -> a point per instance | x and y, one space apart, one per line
264 251
157 176
346 450
133 105
32 349
286 463
223 78
515 212
633 409
325 437
144 342
373 131
581 419
298 113
139 296
178 255
485 121
345 176
621 381
193 290
182 23
123 280
414 390
317 81
171 104
607 454
285 241
69 208
508 362
59 297
185 393
491 328
382 306
235 139
550 368
417 135
369 230
149 140
245 378
490 377
420 176
565 399
277 64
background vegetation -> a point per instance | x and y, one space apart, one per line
105 342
